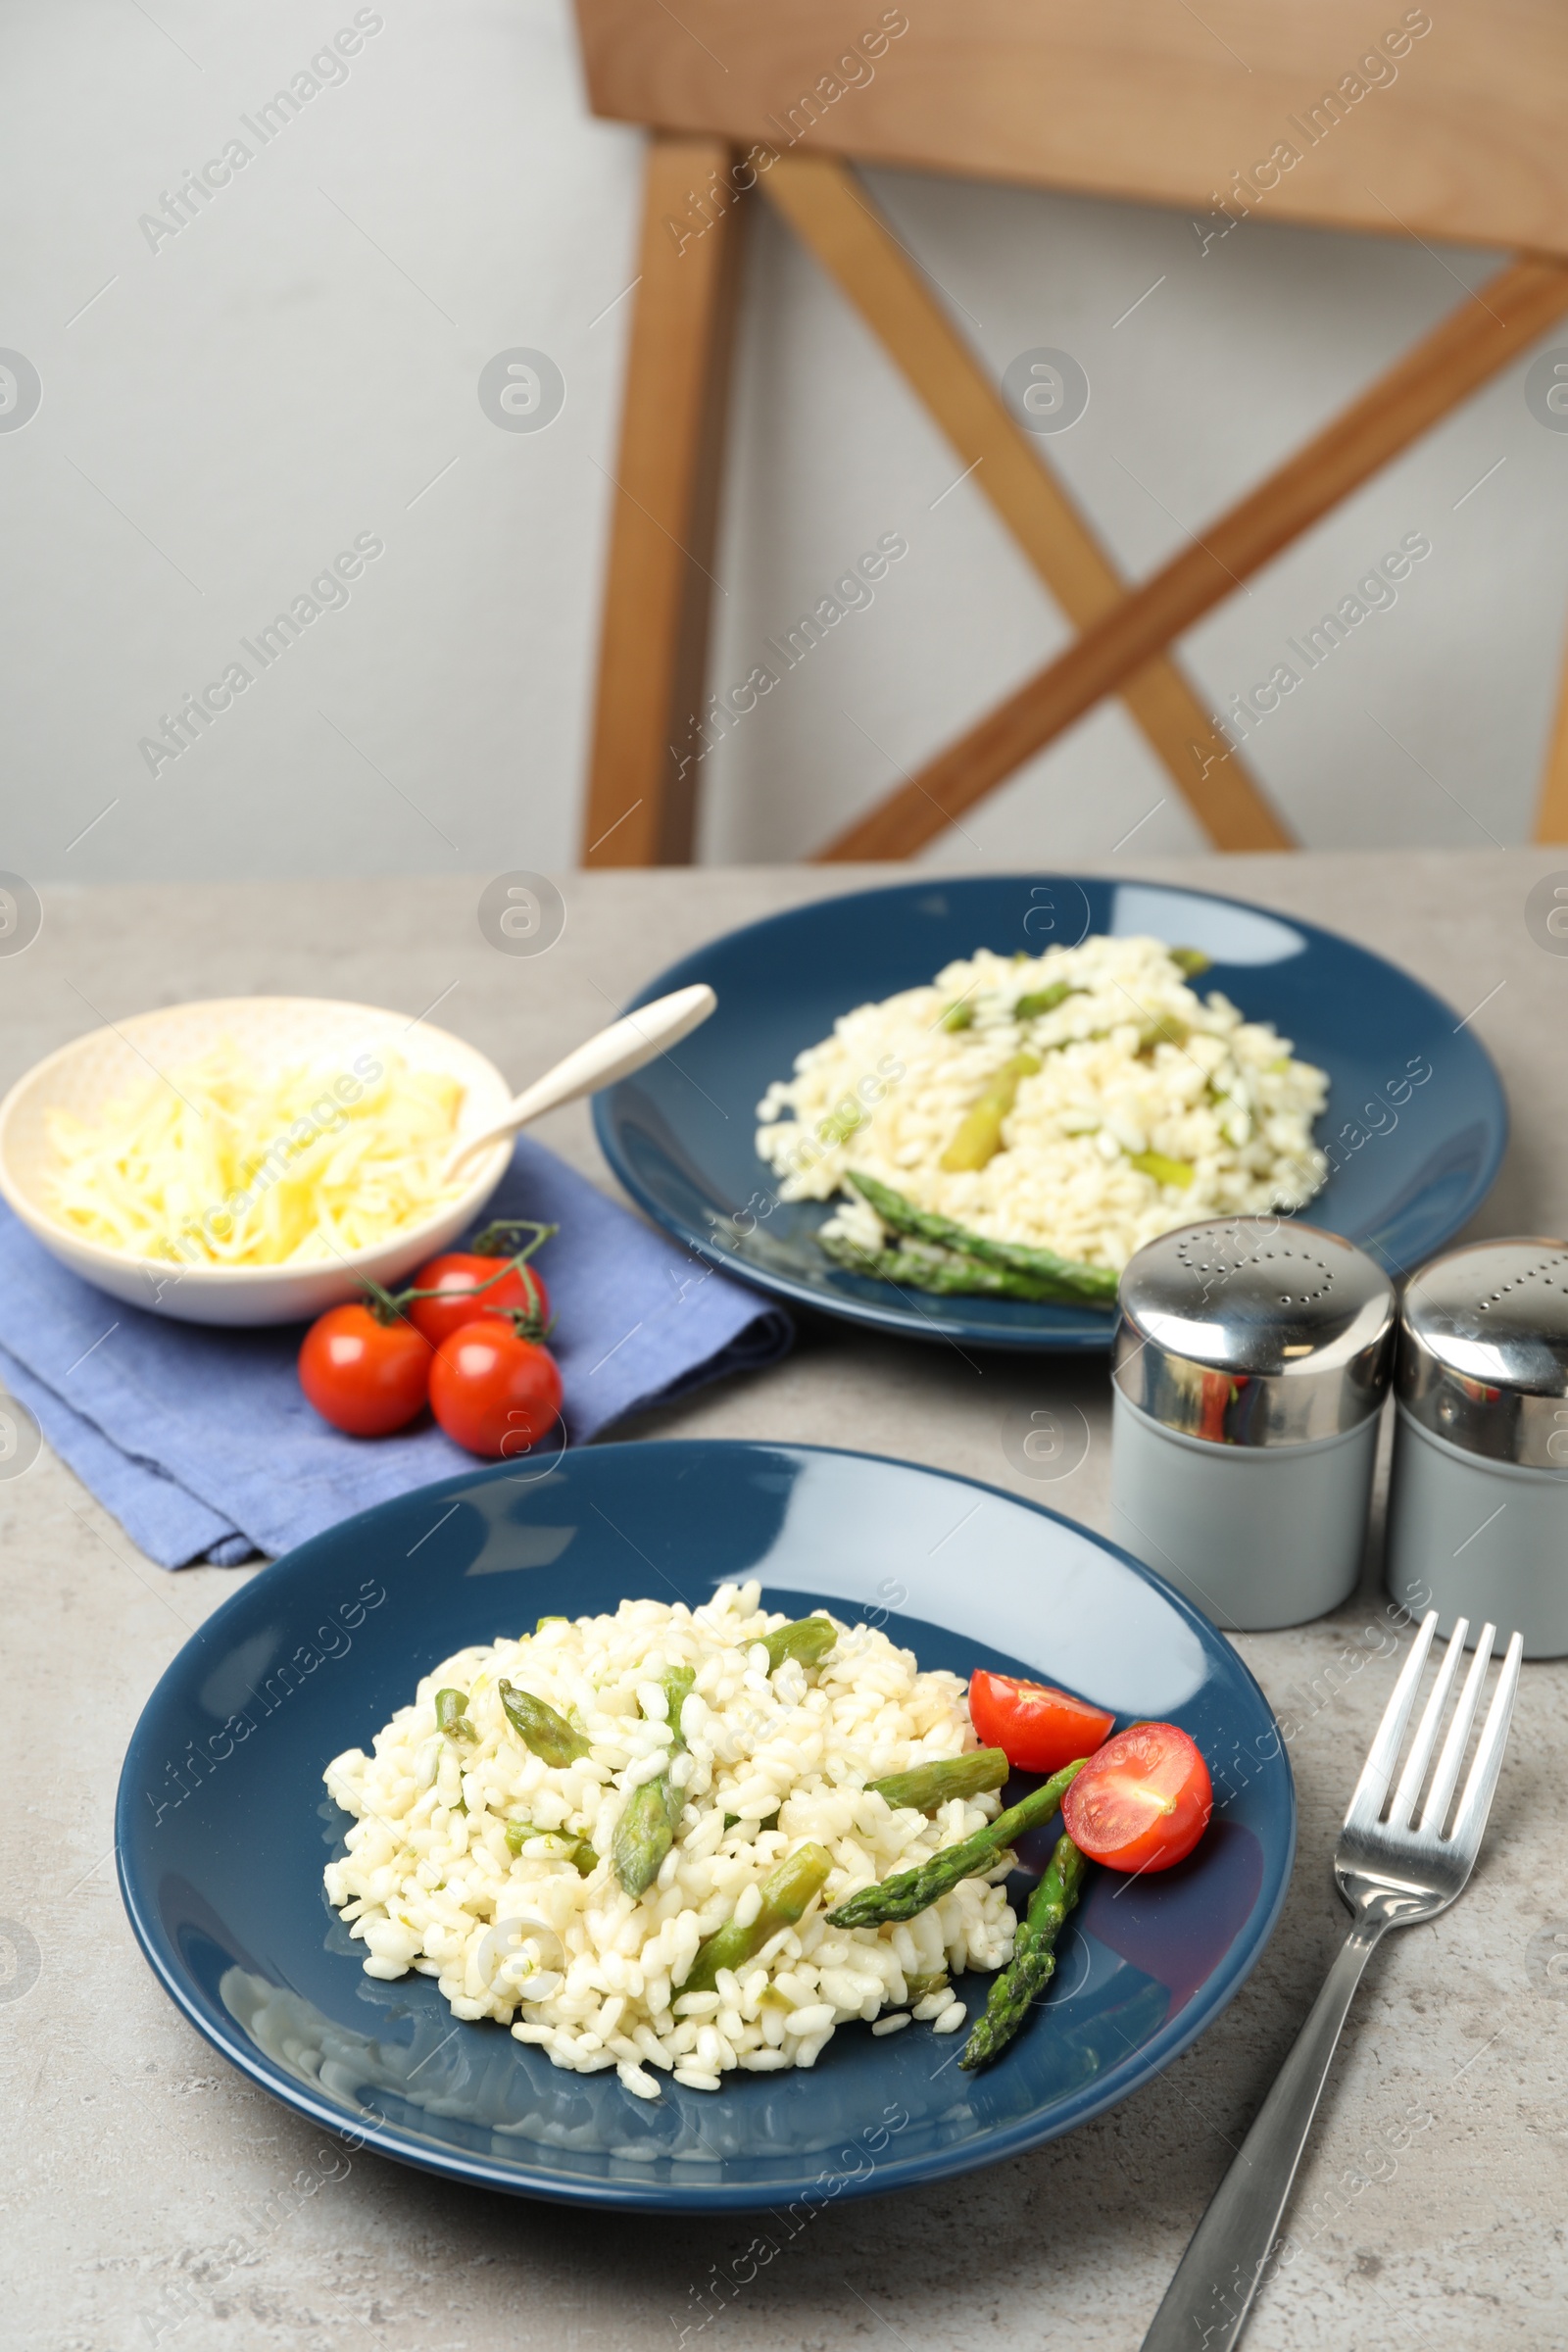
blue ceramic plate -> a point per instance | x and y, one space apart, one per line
223 1825
1414 1155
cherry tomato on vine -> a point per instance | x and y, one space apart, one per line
1141 1801
458 1275
363 1374
1041 1729
493 1390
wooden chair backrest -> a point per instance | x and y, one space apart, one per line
1444 122
1349 114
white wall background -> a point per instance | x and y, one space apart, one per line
220 415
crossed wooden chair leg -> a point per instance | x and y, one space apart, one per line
651 672
1444 368
836 219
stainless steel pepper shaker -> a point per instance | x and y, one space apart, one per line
1478 1505
1250 1361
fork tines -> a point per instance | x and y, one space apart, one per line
1475 1802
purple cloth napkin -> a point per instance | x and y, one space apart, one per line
202 1444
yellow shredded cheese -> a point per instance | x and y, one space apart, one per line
218 1164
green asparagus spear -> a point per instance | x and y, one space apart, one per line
647 1829
1164 1170
785 1891
918 1987
958 1016
450 1717
1191 960
645 1834
1094 1284
1155 1029
539 1726
977 1138
581 1852
840 1124
913 1891
809 1639
1162 1029
1045 1000
676 1683
924 1787
941 1271
1034 1957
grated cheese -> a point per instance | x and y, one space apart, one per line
219 1164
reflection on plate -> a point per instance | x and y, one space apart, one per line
1415 1125
224 1825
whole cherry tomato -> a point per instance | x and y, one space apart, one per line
1041 1729
457 1276
1141 1801
492 1390
363 1374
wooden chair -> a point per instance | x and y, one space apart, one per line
1445 127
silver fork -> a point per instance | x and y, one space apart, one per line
1393 1874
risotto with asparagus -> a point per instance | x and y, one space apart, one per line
691 1842
1020 1126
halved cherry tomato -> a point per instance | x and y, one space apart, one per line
460 1273
1142 1801
364 1375
493 1390
1041 1729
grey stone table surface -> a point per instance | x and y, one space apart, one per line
152 2196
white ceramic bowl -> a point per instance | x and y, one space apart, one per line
271 1032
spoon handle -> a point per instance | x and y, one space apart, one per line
625 1046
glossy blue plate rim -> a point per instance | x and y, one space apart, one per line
1009 1325
277 1582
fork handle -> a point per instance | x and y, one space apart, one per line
1206 2303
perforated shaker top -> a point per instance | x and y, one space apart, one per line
1484 1351
1254 1330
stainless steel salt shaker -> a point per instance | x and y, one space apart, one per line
1478 1507
1250 1361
